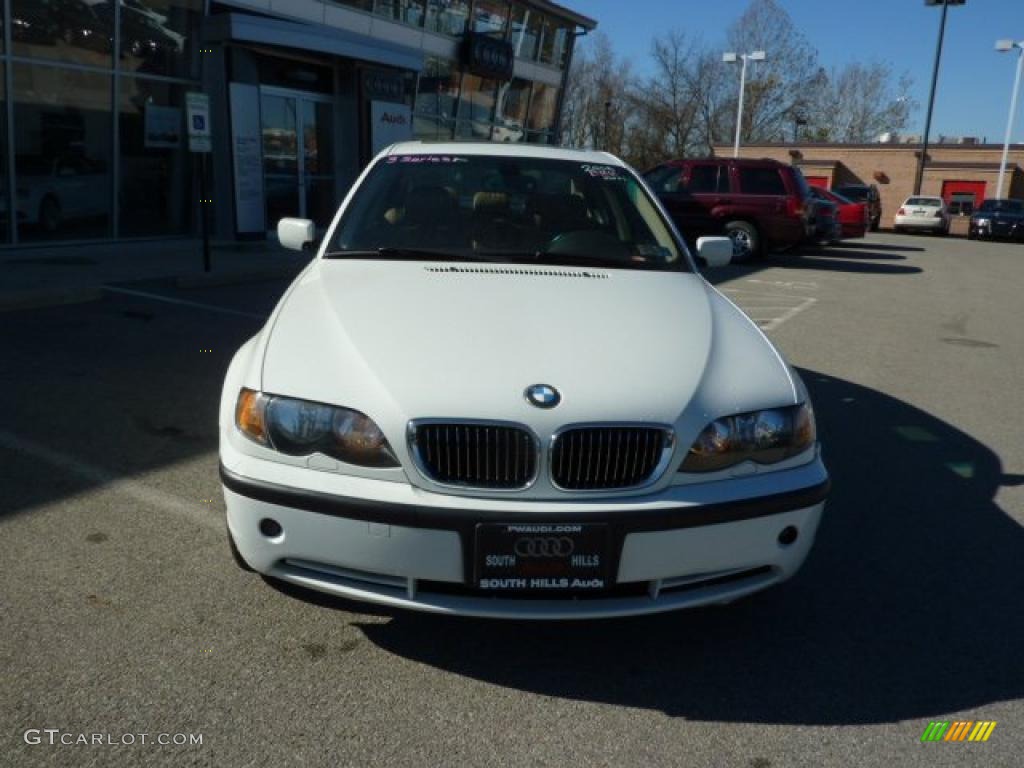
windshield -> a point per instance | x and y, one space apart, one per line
933 202
1001 206
506 209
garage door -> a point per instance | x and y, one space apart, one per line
962 197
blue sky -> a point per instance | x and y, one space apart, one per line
973 97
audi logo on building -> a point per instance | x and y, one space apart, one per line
544 546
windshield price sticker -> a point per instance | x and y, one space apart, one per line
608 172
436 159
541 557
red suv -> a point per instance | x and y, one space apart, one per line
759 204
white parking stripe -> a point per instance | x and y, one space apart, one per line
770 310
183 302
133 489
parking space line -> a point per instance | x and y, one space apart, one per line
773 324
184 302
106 480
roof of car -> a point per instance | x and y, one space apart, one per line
501 149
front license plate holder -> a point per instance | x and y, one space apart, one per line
545 558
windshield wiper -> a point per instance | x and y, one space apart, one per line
403 254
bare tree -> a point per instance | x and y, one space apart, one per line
599 98
860 102
775 85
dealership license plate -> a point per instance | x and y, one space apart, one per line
552 558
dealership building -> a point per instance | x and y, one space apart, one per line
299 96
962 173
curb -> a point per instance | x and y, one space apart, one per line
44 299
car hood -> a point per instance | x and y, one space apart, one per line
407 340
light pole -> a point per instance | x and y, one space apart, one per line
731 58
931 98
1004 46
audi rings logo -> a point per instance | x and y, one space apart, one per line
544 546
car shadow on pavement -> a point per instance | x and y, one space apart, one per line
833 251
908 605
876 246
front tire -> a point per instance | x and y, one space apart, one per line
746 241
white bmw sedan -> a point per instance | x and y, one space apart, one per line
502 389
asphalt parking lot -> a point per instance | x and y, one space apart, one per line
123 613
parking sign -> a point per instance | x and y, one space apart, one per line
197 106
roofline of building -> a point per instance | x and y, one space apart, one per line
586 22
871 145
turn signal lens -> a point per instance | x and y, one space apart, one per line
764 437
250 415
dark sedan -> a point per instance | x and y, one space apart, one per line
998 219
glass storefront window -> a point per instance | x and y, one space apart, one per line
158 37
526 29
437 94
513 100
476 107
447 16
156 196
490 17
561 45
59 30
547 42
362 5
405 11
542 112
62 121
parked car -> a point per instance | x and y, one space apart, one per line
854 218
827 227
867 194
54 190
758 204
998 219
923 214
502 386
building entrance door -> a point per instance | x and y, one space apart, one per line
298 162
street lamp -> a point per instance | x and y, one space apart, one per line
731 58
1005 46
931 98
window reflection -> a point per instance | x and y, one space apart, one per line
513 100
526 29
406 11
490 17
156 167
542 111
62 152
447 16
437 93
476 108
158 36
63 30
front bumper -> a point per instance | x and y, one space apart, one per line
685 546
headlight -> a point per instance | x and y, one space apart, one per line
300 428
982 222
765 437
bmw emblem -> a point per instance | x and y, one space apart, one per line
542 396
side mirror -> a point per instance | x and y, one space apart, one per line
716 251
296 234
